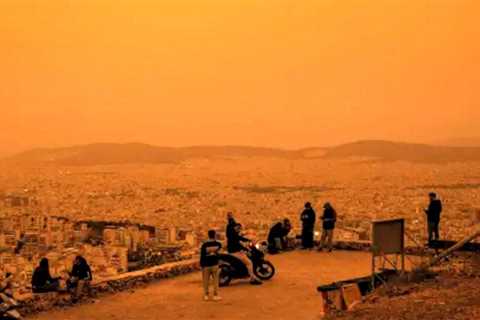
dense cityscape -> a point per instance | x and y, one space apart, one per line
124 218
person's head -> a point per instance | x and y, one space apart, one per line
287 224
44 263
212 234
230 216
432 195
79 260
308 205
327 205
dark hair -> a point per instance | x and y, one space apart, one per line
432 194
308 205
44 264
212 234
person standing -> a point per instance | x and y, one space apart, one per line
209 260
433 216
308 225
329 218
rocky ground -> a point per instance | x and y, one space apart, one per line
453 294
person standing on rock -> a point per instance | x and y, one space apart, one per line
209 259
308 225
329 218
433 216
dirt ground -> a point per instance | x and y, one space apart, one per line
445 298
291 294
452 295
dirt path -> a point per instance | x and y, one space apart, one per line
291 294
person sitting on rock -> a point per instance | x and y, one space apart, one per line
80 276
42 281
277 237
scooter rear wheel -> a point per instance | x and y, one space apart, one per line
225 275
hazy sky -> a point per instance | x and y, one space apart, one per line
266 72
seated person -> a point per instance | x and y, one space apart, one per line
42 281
80 276
236 248
277 237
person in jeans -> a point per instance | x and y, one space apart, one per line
433 216
209 262
329 218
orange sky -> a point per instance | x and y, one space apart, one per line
265 72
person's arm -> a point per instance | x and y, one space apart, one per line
243 239
203 253
90 275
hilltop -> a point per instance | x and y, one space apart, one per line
112 153
399 151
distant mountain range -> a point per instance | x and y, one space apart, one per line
111 153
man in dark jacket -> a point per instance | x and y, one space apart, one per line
329 218
236 248
277 236
433 217
230 229
209 260
308 224
80 277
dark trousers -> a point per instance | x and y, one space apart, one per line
307 237
433 233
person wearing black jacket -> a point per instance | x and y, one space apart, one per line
209 260
80 276
329 218
236 248
308 224
230 229
277 236
433 217
42 281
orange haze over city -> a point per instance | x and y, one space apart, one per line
239 72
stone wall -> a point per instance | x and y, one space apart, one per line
34 303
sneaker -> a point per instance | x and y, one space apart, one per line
255 282
205 298
216 298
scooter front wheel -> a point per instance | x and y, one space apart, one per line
265 270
